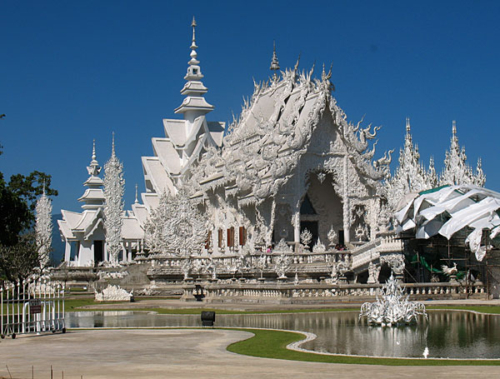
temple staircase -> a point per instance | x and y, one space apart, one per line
371 251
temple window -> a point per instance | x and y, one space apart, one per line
230 237
208 240
242 236
221 238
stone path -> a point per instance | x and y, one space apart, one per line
177 353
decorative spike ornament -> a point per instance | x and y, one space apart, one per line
410 176
456 170
94 169
275 65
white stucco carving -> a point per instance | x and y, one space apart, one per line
114 187
114 293
43 228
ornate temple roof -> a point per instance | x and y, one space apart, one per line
274 130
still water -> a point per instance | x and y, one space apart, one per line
447 334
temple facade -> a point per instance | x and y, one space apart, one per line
290 176
290 163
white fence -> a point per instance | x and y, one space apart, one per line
35 306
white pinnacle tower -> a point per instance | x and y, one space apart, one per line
194 104
43 228
113 193
456 170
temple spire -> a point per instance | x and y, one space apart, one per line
194 54
113 145
275 65
93 150
93 169
194 103
93 197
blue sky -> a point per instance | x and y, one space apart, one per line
72 71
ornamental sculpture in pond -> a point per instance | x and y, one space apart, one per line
393 309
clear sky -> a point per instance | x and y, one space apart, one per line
72 71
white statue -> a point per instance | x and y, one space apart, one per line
282 264
373 273
332 237
305 238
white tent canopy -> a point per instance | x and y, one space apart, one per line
447 210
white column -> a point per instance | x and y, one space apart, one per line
346 205
67 252
296 226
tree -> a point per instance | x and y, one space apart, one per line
19 252
18 261
18 202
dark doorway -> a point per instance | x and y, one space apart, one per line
341 238
312 226
98 252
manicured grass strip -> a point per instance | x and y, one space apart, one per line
73 305
272 344
494 309
197 311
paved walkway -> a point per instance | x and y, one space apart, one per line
143 353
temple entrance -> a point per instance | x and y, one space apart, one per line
98 252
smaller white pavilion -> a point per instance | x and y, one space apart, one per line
83 232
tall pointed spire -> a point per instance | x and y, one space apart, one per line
194 54
93 169
194 104
93 196
275 65
113 146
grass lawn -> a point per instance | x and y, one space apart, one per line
74 305
493 309
272 344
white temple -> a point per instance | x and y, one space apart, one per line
290 172
84 234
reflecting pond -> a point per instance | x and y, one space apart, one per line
447 334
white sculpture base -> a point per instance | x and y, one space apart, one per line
114 293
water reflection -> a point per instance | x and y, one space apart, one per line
447 334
